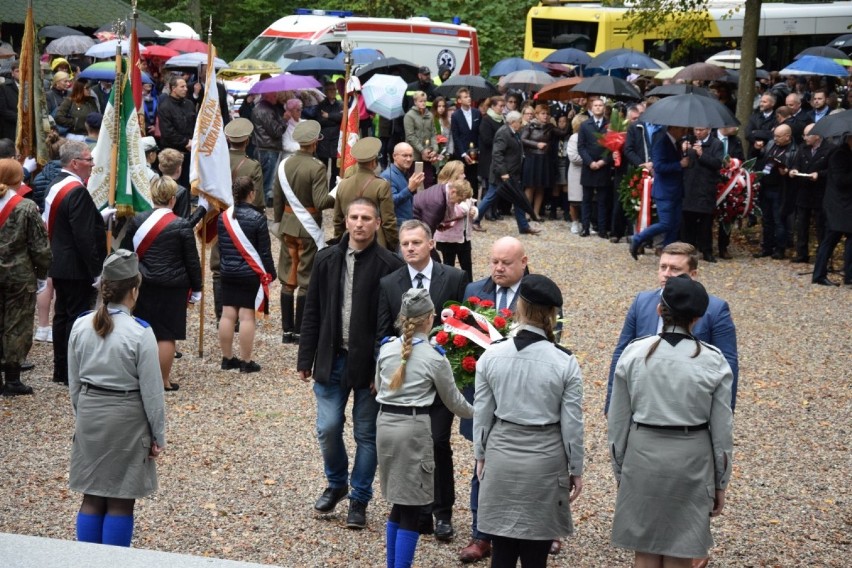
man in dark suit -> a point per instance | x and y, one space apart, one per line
667 191
444 283
811 159
508 264
9 104
699 201
464 128
715 327
762 120
596 176
732 147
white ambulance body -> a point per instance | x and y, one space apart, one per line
418 40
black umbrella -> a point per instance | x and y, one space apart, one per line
308 50
690 110
316 66
838 124
143 31
389 66
55 32
842 42
606 85
480 88
678 89
570 56
823 51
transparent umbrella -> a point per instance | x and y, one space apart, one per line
383 95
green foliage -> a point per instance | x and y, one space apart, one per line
686 20
235 24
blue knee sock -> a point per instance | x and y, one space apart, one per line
391 529
90 528
118 531
406 544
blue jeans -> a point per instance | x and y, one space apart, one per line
268 163
489 201
669 214
331 404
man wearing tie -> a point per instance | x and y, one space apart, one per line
464 128
444 283
596 176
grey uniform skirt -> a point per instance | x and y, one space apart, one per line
112 440
406 460
525 487
666 493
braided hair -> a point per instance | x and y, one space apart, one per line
671 319
112 291
408 325
538 315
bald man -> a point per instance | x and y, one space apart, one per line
403 187
775 160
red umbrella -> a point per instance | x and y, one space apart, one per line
160 51
188 45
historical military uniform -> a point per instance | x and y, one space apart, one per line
24 256
243 166
365 183
308 181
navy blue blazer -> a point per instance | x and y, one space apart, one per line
715 327
462 134
668 173
590 151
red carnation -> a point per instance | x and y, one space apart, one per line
506 312
456 309
463 313
469 363
460 341
474 300
499 322
442 337
487 304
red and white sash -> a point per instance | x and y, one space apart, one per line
151 229
54 198
250 255
7 205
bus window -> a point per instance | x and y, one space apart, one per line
557 34
270 49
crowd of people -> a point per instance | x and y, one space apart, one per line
360 306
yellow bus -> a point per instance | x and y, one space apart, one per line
785 29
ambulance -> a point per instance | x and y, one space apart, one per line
418 40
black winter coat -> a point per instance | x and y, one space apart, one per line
701 177
253 224
177 122
78 239
487 129
321 333
43 181
172 259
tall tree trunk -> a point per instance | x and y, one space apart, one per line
751 30
194 7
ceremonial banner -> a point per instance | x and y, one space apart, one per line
132 187
32 114
344 147
135 70
210 166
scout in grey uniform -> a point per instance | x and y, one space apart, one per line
408 373
670 434
117 395
528 433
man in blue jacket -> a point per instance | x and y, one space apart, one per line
403 186
715 327
669 162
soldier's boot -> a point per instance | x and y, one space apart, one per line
287 318
300 311
14 386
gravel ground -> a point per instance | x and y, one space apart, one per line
242 467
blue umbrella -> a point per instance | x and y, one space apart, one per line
315 66
362 56
105 71
190 60
512 64
630 60
814 65
569 56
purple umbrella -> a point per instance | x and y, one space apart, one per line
284 83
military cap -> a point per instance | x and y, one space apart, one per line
239 129
307 132
121 265
540 290
416 302
685 297
366 149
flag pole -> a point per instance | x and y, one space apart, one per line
210 69
135 72
116 134
347 60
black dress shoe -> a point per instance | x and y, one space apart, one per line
530 231
444 531
762 254
725 255
27 366
635 245
603 235
330 498
778 255
171 387
800 259
585 233
178 354
357 517
709 257
824 282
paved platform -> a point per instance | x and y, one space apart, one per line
19 551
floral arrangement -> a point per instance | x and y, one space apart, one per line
468 328
736 192
441 150
615 137
631 192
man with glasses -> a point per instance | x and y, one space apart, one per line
77 234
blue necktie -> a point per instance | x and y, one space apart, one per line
419 277
501 300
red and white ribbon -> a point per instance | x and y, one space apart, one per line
250 255
643 219
151 229
483 334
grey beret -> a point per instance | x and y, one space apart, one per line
121 265
416 302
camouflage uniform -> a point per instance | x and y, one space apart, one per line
24 256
